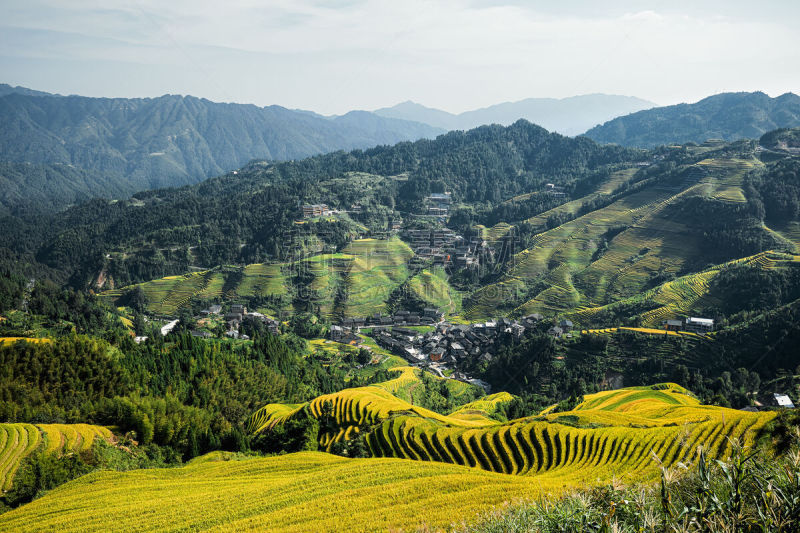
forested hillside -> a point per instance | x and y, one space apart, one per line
129 145
627 230
35 187
727 116
245 218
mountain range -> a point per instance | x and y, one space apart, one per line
726 116
58 150
127 145
568 116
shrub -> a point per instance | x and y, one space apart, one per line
41 472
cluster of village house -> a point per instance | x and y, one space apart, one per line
446 344
438 204
316 210
444 247
233 320
440 245
450 344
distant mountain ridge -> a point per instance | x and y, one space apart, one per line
728 116
10 89
146 143
568 116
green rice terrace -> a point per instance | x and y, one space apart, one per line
638 252
613 253
358 281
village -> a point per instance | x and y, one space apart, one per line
442 347
427 340
424 338
436 244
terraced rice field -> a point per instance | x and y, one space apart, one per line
377 269
791 233
686 294
299 492
357 406
610 442
215 282
422 460
651 240
479 409
17 441
647 331
563 258
182 291
356 282
638 397
611 434
157 291
495 233
72 437
262 279
727 176
166 295
432 287
606 188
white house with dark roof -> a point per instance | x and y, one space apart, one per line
782 400
699 325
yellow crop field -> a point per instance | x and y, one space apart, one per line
480 409
72 437
399 385
17 441
426 468
648 331
26 339
614 439
300 492
621 400
610 434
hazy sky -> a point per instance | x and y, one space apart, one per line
331 57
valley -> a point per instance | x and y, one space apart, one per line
430 331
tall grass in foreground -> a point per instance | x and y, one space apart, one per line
750 492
